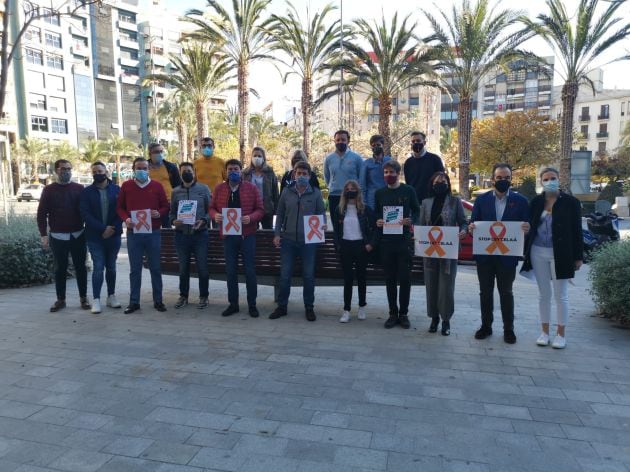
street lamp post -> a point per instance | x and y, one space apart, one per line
341 88
151 39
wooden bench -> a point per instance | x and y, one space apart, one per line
327 267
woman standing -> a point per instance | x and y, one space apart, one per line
554 251
354 233
263 176
288 179
441 209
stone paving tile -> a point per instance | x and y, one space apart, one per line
128 446
170 452
80 461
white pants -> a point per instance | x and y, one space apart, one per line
544 269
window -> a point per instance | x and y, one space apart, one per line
128 54
127 16
53 39
34 35
128 35
604 112
585 111
394 102
375 102
33 56
39 123
584 131
59 126
601 148
603 127
56 83
57 104
50 16
623 107
130 70
37 101
54 62
35 79
414 101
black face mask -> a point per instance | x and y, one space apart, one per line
377 151
502 185
417 147
99 178
188 177
341 147
351 194
440 188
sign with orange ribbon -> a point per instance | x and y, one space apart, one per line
498 238
313 229
232 224
439 242
141 220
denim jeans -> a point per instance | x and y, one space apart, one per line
246 246
186 245
289 250
104 253
137 246
74 247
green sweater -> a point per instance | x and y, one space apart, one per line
404 196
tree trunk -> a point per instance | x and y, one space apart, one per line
384 128
307 113
180 129
118 176
464 129
243 109
35 169
200 115
4 56
569 96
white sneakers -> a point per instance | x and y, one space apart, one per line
112 302
96 306
559 342
346 315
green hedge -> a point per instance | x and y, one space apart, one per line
609 275
23 260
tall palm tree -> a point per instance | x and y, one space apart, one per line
578 40
33 150
476 41
177 112
242 38
201 73
94 150
309 44
393 61
117 147
64 150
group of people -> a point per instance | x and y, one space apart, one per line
73 219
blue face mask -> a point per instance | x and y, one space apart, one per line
207 151
141 175
234 177
302 181
551 186
158 158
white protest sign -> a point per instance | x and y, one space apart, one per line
392 217
187 211
313 229
498 238
141 221
440 242
232 224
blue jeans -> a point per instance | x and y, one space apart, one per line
137 246
246 246
186 245
289 250
104 253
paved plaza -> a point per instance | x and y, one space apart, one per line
187 390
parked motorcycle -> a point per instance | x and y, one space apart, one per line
602 229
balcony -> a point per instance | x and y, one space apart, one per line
79 49
585 118
106 70
583 137
128 61
544 88
517 91
78 31
489 93
122 24
128 43
604 117
602 134
544 104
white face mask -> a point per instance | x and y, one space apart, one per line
258 161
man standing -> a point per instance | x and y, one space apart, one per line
421 165
371 178
58 211
396 249
103 228
501 204
164 172
244 195
295 203
209 169
339 167
191 236
141 205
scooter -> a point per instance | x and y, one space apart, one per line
602 229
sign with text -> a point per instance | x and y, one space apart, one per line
187 211
392 220
440 242
141 221
313 229
232 224
498 238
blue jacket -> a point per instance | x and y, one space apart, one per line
371 179
90 207
516 209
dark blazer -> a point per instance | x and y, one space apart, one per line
367 222
566 233
287 180
517 209
92 214
173 173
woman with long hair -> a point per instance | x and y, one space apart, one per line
288 178
263 176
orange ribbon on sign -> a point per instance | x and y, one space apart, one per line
435 242
232 214
142 217
313 223
497 244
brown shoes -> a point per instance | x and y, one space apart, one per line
85 305
58 305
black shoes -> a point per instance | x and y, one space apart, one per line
181 302
278 312
403 320
391 321
310 314
434 325
508 336
58 305
131 308
85 305
159 306
230 310
253 311
483 332
446 328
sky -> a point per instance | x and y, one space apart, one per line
266 79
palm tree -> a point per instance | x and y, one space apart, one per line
309 45
64 150
94 150
393 62
476 41
117 146
33 150
177 112
578 40
259 126
242 38
201 73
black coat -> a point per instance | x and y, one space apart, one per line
566 232
367 222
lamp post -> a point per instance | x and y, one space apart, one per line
341 87
151 39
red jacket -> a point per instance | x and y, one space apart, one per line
251 204
133 197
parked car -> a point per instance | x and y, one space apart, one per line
30 192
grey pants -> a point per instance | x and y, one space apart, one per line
440 287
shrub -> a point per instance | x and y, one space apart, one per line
612 190
24 261
609 275
527 187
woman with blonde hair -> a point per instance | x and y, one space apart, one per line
354 224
